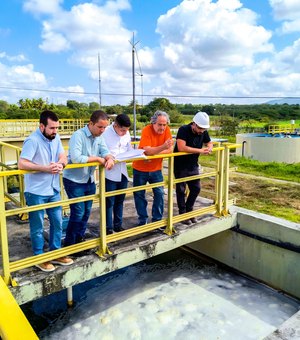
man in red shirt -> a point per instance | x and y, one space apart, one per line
156 139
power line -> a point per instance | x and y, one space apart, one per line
150 95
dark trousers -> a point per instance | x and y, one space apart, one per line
186 204
80 212
114 204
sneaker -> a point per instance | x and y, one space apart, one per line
194 220
63 261
109 232
119 229
187 222
46 267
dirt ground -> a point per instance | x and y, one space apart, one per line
266 195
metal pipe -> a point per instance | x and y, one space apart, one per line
70 296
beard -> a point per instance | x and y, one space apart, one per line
50 137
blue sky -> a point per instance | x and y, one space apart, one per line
194 51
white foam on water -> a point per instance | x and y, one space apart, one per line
177 301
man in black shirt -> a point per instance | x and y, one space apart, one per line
190 138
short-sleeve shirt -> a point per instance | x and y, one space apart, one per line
150 138
40 150
189 162
82 145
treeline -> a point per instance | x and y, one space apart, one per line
264 113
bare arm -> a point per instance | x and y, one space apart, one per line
62 159
182 147
167 147
53 168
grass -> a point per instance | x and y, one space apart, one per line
288 172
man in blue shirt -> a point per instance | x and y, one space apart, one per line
43 152
86 145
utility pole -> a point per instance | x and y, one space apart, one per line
133 44
99 79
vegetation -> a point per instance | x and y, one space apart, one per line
289 172
228 118
258 194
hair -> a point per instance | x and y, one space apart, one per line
47 114
123 120
98 115
157 114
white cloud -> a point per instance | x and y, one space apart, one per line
206 48
14 58
41 7
287 11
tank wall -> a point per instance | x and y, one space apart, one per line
271 263
269 149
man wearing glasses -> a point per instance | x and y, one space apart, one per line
190 138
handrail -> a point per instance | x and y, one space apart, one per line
287 128
220 208
13 323
22 128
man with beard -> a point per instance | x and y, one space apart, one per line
43 153
190 138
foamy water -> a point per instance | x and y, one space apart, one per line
183 299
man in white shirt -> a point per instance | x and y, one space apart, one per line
118 140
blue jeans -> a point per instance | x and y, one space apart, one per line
36 222
80 212
141 178
114 204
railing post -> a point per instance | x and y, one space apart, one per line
3 235
103 249
217 165
169 229
225 211
220 185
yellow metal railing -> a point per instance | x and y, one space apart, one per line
22 128
13 323
288 128
219 207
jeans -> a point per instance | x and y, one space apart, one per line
141 178
194 190
36 222
114 204
80 212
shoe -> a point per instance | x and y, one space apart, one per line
187 222
194 220
117 230
63 261
46 267
162 228
109 232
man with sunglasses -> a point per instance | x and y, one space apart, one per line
190 138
